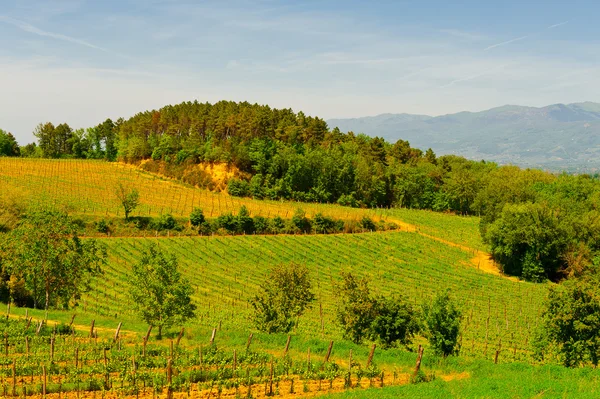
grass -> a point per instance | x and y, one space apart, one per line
483 379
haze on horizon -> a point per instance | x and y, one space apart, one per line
81 61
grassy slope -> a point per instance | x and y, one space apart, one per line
227 271
483 379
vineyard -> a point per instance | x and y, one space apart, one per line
87 187
101 349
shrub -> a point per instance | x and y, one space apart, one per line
245 224
442 321
396 323
300 222
324 224
348 200
571 322
357 309
102 226
197 217
261 225
165 222
228 222
368 224
277 225
237 188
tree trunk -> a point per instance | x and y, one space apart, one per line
159 336
47 300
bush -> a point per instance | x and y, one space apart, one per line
357 309
142 223
396 323
300 222
571 322
238 188
197 217
261 225
277 225
245 224
323 224
390 322
368 224
348 200
286 295
102 226
442 320
228 222
165 222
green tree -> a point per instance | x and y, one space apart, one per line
54 263
160 294
129 198
197 217
571 321
396 322
8 145
285 295
528 240
442 322
357 309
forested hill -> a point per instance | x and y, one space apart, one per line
556 137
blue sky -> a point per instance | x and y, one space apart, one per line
83 61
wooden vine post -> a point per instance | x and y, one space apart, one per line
371 354
418 364
169 378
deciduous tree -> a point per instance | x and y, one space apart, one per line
160 293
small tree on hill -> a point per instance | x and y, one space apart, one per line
396 323
285 296
129 198
197 217
357 309
388 321
571 321
160 294
442 321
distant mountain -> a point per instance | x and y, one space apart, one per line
556 137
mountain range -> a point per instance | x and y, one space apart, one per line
555 137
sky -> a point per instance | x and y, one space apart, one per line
81 62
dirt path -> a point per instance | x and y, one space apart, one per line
481 260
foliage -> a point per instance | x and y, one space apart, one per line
12 207
102 226
53 262
8 145
571 321
197 217
165 222
285 296
396 322
159 293
442 322
528 240
390 322
357 309
128 197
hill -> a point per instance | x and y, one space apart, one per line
555 137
